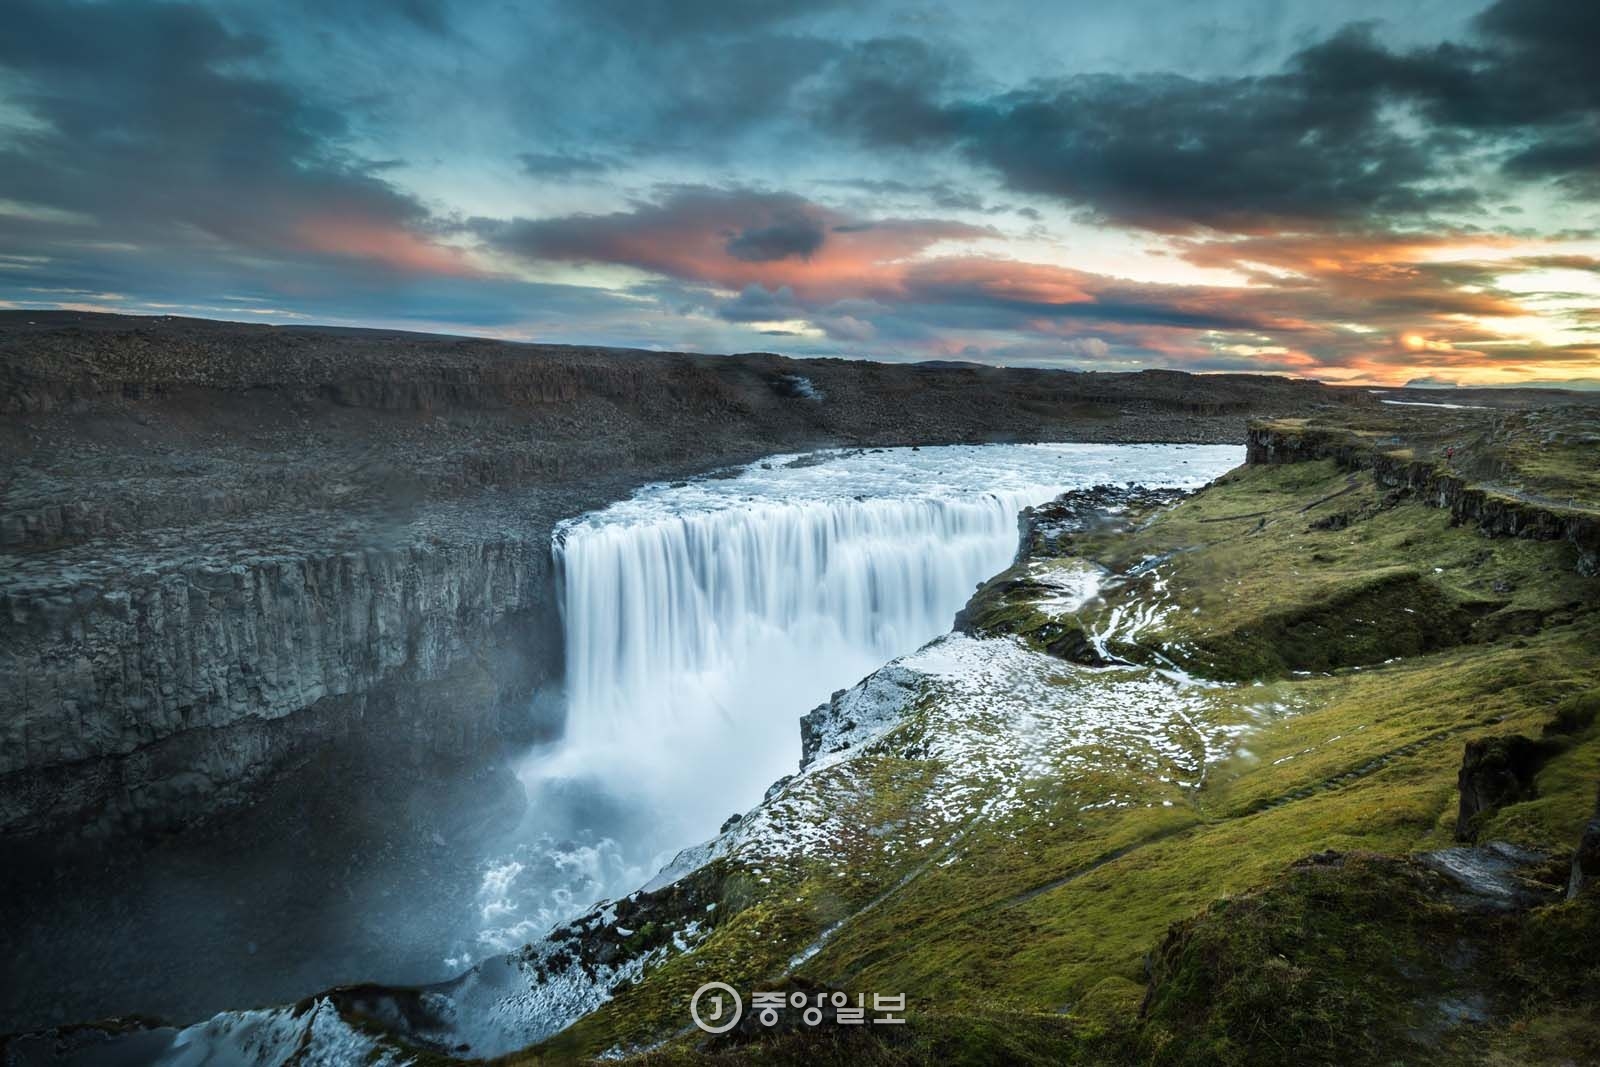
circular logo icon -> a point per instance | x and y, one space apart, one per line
722 1007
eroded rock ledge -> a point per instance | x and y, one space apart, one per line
141 690
1437 479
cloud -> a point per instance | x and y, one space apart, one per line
562 164
798 236
1348 131
755 304
735 238
717 171
145 121
658 19
1314 302
847 328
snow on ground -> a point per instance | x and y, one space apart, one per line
274 1038
1010 729
512 1001
1072 584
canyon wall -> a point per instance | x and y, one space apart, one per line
1498 510
140 701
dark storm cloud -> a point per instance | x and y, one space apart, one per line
890 91
1574 162
794 235
1317 143
1171 153
146 124
1548 49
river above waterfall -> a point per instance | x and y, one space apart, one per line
703 618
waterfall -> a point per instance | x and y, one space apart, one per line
703 618
655 611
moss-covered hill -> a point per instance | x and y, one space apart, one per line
1188 789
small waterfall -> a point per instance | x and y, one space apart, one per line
703 618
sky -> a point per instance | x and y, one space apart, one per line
1378 191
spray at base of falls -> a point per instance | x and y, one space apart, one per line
703 619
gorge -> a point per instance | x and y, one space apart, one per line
282 600
502 728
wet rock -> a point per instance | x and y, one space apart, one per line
1495 877
142 702
1586 860
1496 771
851 715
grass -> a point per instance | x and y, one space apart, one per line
1546 454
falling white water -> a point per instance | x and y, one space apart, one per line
703 618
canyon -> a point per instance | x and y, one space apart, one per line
1187 761
225 545
266 591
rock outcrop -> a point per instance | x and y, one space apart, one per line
144 700
1496 511
1496 771
1586 857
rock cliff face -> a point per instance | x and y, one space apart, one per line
142 703
1496 510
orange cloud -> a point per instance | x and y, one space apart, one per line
1001 280
381 242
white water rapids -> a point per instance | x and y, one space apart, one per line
703 618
